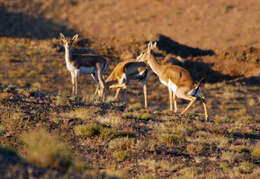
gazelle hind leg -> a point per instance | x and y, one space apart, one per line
145 95
125 92
192 100
170 97
205 107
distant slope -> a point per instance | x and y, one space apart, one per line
204 24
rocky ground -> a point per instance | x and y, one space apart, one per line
47 133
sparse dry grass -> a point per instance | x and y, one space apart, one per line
153 143
88 130
45 150
256 150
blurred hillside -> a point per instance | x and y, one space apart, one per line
201 23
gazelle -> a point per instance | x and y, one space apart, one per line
177 79
84 63
127 70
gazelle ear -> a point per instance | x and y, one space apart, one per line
62 36
149 46
75 37
154 45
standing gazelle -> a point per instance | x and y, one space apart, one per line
84 63
177 79
126 70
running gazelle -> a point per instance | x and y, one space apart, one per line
126 71
177 79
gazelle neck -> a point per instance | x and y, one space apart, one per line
154 65
67 54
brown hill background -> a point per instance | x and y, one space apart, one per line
201 23
88 138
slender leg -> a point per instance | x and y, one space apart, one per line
94 76
175 102
170 97
145 95
192 100
118 89
76 81
117 93
101 82
73 83
205 108
125 92
118 86
145 88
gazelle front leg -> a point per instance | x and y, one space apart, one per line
120 82
76 81
73 83
170 97
96 82
101 82
175 102
145 93
125 91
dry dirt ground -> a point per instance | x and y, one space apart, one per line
47 133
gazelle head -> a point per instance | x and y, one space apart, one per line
144 56
151 46
67 42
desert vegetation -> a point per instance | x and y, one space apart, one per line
45 132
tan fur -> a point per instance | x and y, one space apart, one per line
171 75
84 63
127 70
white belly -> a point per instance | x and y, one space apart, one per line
171 85
87 70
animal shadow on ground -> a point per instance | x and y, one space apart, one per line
172 47
251 81
197 67
19 25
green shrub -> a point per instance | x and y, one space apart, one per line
256 151
89 130
121 155
246 167
171 138
45 150
121 143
